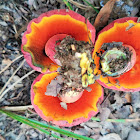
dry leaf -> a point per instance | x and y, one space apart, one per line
104 14
129 27
54 87
64 105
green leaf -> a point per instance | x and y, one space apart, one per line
68 4
41 126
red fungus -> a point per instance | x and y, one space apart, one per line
47 25
120 30
50 46
48 107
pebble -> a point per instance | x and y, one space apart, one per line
124 112
3 23
111 136
21 137
82 131
93 124
4 37
52 1
95 136
104 114
134 135
34 134
6 73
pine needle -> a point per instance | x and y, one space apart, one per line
8 89
42 127
11 63
12 77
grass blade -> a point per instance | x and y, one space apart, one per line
40 125
91 6
12 115
68 4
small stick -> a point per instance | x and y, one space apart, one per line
11 63
117 120
17 95
81 6
26 75
16 108
12 76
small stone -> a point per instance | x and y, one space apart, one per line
52 1
4 37
105 112
21 137
7 72
95 136
134 135
82 132
111 136
92 124
34 135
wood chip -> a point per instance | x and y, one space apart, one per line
130 26
64 105
128 97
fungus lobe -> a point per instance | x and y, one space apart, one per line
118 31
47 25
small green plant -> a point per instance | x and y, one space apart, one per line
42 127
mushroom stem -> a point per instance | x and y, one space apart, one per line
117 59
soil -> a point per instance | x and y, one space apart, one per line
116 63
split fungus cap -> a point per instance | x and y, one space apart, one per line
116 32
50 24
49 108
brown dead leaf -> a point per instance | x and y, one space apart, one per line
104 14
128 99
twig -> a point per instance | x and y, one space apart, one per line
18 11
16 108
21 30
106 98
14 98
12 76
11 63
117 120
16 83
81 6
